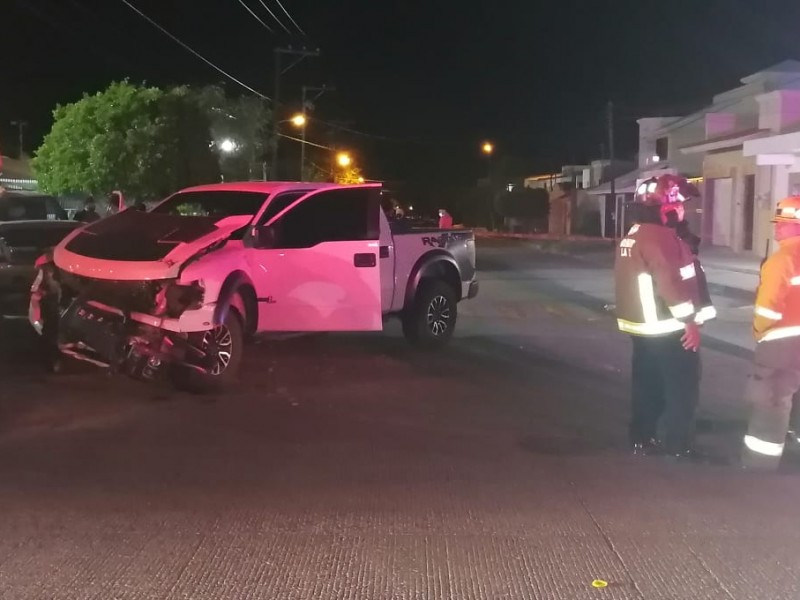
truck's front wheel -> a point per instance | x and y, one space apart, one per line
431 319
222 348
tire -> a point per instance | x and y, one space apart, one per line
227 339
431 319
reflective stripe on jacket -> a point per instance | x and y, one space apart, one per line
777 310
706 310
656 281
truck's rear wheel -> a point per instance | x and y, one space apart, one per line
431 319
223 347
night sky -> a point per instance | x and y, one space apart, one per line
425 81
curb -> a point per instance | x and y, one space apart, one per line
593 254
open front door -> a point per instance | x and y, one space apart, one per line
316 263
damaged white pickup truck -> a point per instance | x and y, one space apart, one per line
177 290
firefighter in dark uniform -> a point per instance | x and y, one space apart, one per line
707 310
658 303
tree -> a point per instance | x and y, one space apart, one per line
348 175
144 141
188 157
528 206
245 120
313 172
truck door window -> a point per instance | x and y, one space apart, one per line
278 203
331 216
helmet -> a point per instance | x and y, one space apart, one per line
665 189
788 210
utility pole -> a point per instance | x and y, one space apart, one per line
276 96
332 142
610 122
306 105
21 125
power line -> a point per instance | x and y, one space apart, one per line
255 16
197 54
286 29
290 17
263 96
306 142
276 92
387 138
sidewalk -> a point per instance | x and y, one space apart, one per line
732 279
731 274
725 258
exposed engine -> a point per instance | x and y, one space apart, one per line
105 322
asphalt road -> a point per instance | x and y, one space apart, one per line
351 466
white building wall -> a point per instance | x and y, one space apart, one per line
735 166
647 137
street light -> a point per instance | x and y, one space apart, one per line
343 159
228 146
488 149
300 121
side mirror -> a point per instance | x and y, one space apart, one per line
264 237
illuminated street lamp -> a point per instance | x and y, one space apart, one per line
343 159
488 149
228 146
299 120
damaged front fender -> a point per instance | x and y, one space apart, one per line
45 291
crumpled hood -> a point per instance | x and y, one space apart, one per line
141 245
139 236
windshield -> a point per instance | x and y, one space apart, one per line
217 204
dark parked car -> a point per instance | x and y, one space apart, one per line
30 224
30 206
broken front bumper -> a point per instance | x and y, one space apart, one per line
191 320
131 341
136 344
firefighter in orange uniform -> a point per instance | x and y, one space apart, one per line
776 326
659 304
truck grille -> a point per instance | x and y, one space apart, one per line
136 296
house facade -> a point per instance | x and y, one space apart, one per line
743 174
588 213
776 155
16 174
742 151
575 175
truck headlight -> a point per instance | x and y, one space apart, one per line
178 298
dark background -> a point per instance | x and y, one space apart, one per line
424 82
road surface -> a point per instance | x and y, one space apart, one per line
350 466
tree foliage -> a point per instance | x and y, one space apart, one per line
313 172
144 141
245 120
523 203
349 175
